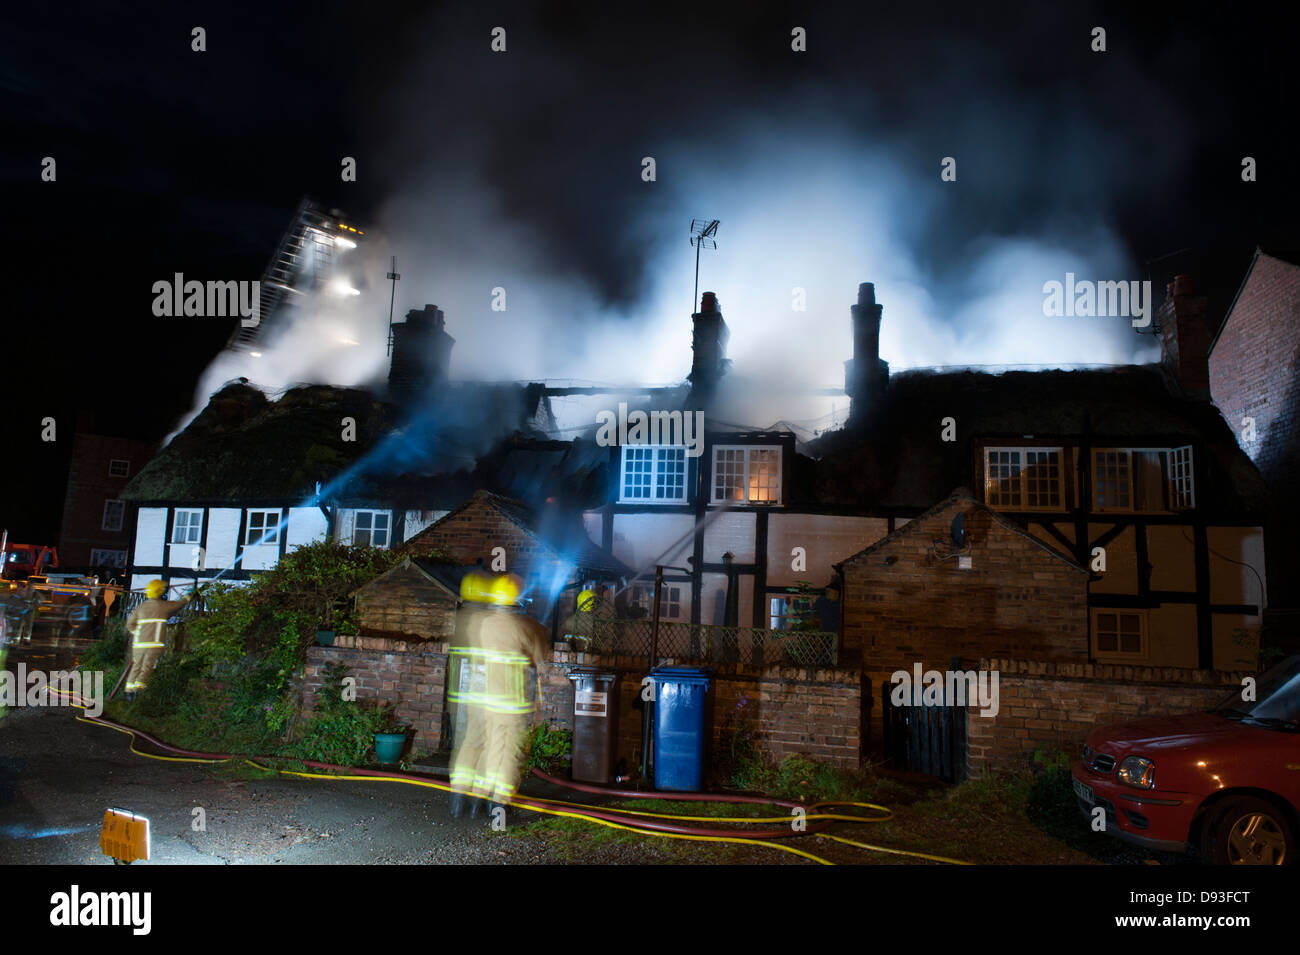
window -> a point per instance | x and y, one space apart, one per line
119 468
1024 479
107 558
1119 633
113 513
1143 479
653 474
370 529
670 601
788 613
187 528
746 475
263 528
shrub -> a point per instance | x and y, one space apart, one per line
342 730
547 749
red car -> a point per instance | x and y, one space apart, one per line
1226 781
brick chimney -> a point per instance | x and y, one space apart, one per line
1184 338
421 353
865 375
709 346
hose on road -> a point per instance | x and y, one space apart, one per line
814 819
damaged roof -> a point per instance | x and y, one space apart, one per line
898 458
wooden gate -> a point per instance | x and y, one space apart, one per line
925 739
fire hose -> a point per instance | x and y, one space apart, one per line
815 822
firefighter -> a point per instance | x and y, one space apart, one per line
147 627
495 643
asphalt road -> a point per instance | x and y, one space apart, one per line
58 775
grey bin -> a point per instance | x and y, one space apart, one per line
595 724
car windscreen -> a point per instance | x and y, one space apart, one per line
1276 698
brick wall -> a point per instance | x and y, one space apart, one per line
1255 372
1056 705
413 675
89 486
470 533
794 710
1016 600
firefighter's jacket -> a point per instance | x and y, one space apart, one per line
147 624
497 644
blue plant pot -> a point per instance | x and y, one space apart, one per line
388 747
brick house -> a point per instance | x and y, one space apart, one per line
961 580
95 531
1254 369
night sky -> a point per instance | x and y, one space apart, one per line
170 160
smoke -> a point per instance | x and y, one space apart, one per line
517 181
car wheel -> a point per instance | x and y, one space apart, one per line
1250 831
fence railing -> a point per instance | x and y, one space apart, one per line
707 643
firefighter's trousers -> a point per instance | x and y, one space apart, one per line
486 762
143 661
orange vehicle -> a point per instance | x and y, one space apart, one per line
21 561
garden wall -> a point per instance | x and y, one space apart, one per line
1056 705
790 709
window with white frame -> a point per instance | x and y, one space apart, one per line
263 528
670 600
1143 479
370 528
119 468
1119 633
746 475
653 474
187 528
107 558
1024 479
113 515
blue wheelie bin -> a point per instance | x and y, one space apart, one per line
683 727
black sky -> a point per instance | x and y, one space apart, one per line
176 161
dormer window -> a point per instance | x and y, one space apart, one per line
744 474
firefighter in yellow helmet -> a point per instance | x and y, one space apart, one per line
494 646
147 628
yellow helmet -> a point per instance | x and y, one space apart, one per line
587 600
506 590
155 589
476 587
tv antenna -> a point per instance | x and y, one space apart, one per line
703 236
392 277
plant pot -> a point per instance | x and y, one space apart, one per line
324 638
388 747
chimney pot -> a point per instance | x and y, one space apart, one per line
867 294
708 302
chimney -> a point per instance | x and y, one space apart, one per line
865 375
421 353
1184 338
709 345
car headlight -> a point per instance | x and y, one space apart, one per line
1137 771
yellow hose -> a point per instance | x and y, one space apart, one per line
565 812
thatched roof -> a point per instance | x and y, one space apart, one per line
897 459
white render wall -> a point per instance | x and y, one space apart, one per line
150 529
306 524
223 536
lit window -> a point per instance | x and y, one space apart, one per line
1119 633
370 529
746 475
1024 479
113 513
118 468
187 528
789 613
263 528
653 474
